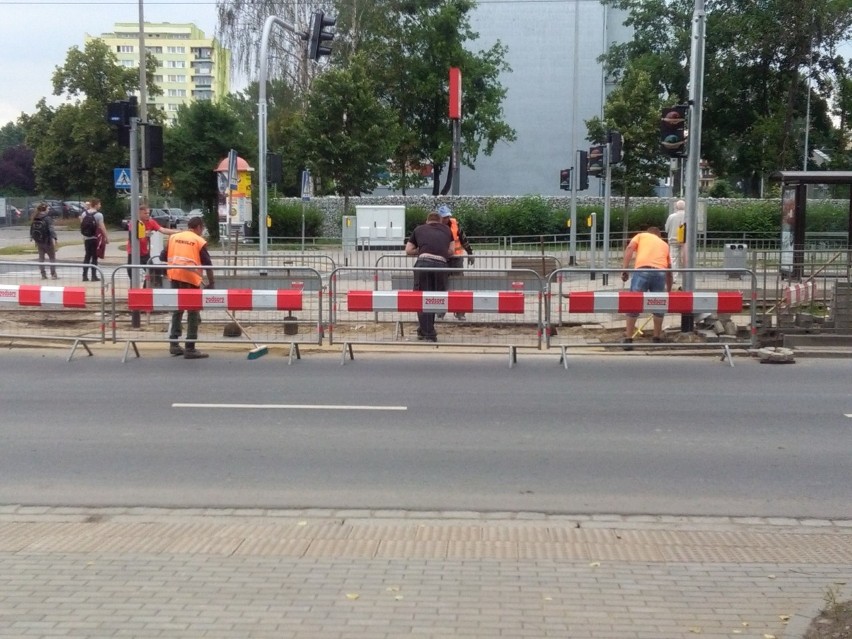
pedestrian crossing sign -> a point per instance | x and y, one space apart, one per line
121 178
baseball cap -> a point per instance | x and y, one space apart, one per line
445 211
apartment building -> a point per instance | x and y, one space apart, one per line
190 66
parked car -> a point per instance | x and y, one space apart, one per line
180 216
56 208
161 216
13 213
75 208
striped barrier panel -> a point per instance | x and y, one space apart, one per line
187 299
796 294
43 296
436 301
638 302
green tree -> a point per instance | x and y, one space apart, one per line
201 136
413 44
347 133
75 149
11 134
758 56
633 109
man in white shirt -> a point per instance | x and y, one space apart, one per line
677 250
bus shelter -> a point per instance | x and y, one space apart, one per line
794 213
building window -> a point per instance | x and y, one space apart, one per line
176 93
175 64
158 79
177 78
127 63
173 107
125 48
175 49
154 49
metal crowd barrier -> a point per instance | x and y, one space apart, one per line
587 298
372 305
61 309
261 301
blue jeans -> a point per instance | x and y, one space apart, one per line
649 280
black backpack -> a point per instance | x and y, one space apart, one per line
89 225
40 231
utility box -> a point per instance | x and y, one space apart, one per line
380 227
736 256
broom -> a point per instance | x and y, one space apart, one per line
258 351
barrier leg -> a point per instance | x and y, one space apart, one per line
563 356
127 348
513 356
294 348
726 355
346 346
74 346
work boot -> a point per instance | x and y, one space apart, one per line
175 349
461 317
192 353
627 343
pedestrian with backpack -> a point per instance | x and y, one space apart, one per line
92 226
44 236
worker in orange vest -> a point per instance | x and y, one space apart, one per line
461 245
185 249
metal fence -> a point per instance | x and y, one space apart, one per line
276 305
603 299
36 307
376 305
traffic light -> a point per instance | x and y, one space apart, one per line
152 146
673 130
274 169
318 36
565 179
119 115
583 163
615 144
596 160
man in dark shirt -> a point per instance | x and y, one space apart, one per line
432 243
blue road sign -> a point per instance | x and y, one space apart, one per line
121 177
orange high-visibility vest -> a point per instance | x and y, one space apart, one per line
454 227
185 250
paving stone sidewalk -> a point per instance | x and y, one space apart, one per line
118 572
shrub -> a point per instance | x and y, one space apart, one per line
287 220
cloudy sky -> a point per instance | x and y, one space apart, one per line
35 37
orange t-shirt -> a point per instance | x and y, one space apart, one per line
651 251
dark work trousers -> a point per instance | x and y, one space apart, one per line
425 280
91 246
193 319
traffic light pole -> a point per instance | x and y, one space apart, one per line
575 177
135 316
607 195
696 99
263 60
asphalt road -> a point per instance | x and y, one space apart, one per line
632 434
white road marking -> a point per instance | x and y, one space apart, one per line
292 406
848 415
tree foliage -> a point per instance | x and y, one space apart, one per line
413 44
201 136
75 149
759 59
347 133
409 46
633 109
16 171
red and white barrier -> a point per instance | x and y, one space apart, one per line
636 302
189 299
49 296
436 301
796 294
